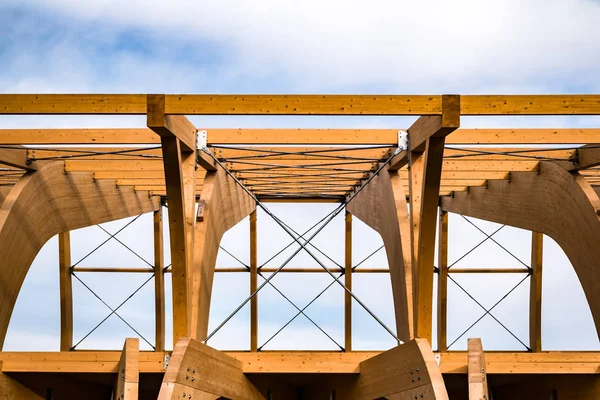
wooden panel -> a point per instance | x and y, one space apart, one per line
405 371
52 201
226 204
11 389
551 201
253 283
535 292
197 368
159 282
128 375
530 105
66 291
382 206
478 383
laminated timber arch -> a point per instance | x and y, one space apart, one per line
551 201
223 203
382 206
46 202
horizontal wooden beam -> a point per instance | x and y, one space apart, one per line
387 137
17 158
304 362
248 104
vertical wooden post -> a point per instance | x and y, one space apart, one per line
442 308
253 283
477 371
159 281
348 283
535 293
128 375
66 291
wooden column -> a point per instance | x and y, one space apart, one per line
159 281
477 371
535 293
128 374
348 283
178 141
442 307
426 139
66 291
253 283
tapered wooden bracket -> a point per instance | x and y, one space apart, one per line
128 374
382 205
403 372
551 201
477 371
17 158
197 371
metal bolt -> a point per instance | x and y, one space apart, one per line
188 370
413 379
183 394
192 379
194 371
189 396
187 377
417 369
418 377
483 370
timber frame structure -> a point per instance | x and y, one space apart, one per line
400 182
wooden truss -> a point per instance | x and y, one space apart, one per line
56 180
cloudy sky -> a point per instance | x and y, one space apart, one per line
269 46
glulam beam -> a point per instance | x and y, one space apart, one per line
30 215
551 201
128 374
477 375
535 292
426 144
66 291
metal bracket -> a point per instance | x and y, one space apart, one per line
201 140
438 359
166 361
402 141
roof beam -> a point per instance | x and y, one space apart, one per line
17 158
166 125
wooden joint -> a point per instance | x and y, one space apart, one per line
201 209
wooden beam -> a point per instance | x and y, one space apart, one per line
247 104
199 370
574 204
586 157
304 362
179 161
226 204
348 282
206 162
478 383
382 206
253 283
66 291
17 158
11 389
159 282
573 104
128 375
32 203
535 292
442 283
426 140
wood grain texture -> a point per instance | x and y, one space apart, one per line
477 375
382 206
4 190
226 204
128 374
552 201
66 291
253 282
442 284
535 292
49 201
12 390
159 281
403 372
200 370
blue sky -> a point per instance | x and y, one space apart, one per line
271 46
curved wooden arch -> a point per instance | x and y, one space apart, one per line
382 205
223 203
46 202
551 201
